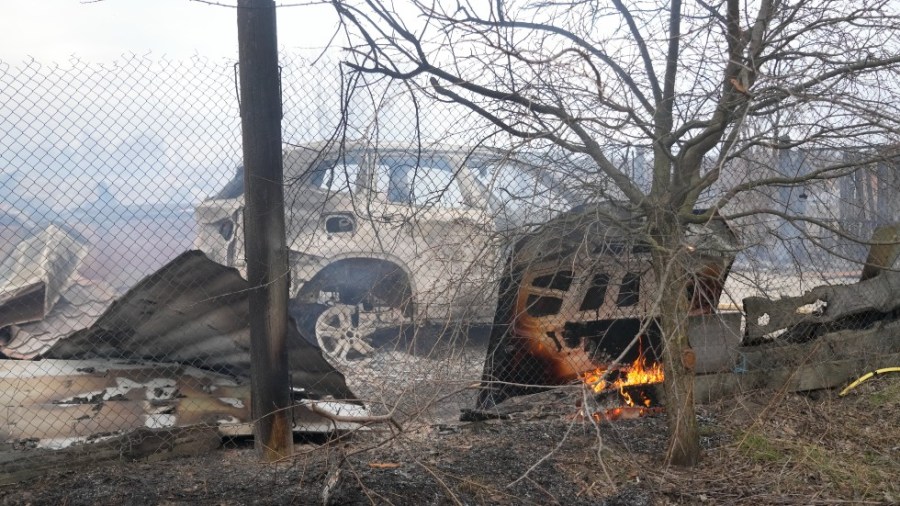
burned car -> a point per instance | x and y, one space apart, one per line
576 293
390 234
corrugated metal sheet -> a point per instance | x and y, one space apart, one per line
78 307
34 275
195 312
42 299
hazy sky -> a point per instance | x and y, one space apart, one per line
54 30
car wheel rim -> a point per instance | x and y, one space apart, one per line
341 333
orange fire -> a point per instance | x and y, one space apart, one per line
638 373
624 413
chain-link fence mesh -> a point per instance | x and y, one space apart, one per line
417 249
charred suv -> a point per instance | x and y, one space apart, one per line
390 234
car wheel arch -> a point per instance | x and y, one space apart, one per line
356 277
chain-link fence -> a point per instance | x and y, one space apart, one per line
417 249
124 304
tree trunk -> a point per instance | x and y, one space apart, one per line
670 264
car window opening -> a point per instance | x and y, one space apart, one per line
419 182
596 294
629 291
539 305
561 280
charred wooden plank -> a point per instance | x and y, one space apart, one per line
811 376
823 304
827 362
881 338
715 340
885 251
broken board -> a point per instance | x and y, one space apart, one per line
827 362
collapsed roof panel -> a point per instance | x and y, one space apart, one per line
173 351
36 273
42 297
194 311
78 307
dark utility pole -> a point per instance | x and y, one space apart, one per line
267 266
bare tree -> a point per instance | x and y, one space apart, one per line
703 87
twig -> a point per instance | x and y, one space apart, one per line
331 483
354 419
584 406
441 483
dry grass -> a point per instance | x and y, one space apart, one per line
800 450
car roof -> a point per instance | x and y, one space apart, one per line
302 156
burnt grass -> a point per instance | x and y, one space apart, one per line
760 448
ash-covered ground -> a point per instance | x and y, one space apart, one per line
759 448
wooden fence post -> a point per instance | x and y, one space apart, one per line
264 230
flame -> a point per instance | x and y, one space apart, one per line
638 373
624 413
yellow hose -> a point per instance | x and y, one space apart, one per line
866 376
